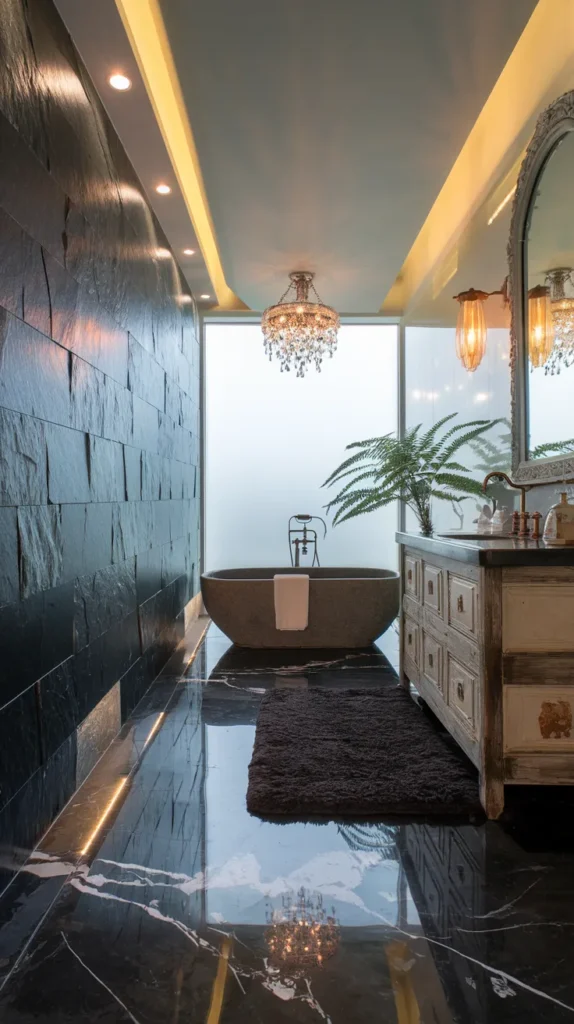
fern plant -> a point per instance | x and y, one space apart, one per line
415 469
552 448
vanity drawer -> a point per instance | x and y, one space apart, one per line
413 577
462 687
433 658
411 641
462 604
539 718
433 588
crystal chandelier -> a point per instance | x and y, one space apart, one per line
299 332
562 309
302 934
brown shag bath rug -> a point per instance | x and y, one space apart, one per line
355 753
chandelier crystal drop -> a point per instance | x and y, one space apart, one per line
297 331
562 310
302 934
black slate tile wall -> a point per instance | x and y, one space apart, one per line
99 414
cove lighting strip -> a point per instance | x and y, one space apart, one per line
145 28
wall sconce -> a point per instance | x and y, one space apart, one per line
540 325
471 325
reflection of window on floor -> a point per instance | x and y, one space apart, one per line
272 439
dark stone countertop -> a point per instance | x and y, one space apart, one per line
490 553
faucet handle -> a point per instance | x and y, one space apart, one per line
536 517
524 528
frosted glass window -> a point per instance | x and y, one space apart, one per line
272 439
437 384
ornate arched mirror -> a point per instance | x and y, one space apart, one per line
541 261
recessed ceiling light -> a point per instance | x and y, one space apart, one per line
189 252
163 254
185 299
163 189
120 82
205 296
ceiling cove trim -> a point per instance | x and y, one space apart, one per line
540 67
144 26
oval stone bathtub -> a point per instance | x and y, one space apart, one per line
347 607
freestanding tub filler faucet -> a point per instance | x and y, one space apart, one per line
301 536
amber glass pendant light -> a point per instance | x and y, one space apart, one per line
471 328
540 325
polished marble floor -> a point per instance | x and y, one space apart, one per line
156 897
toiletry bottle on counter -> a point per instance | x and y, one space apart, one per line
499 521
484 520
559 524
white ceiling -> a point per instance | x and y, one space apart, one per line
326 129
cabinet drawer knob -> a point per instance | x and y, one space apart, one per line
460 691
460 603
410 576
430 587
410 639
431 661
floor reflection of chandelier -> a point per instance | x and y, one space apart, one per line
302 934
299 332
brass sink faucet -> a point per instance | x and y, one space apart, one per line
523 488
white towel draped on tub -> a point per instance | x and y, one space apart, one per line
291 601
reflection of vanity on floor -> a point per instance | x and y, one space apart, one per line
487 638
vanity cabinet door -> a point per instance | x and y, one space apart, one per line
411 641
433 658
538 718
462 689
413 577
432 588
462 604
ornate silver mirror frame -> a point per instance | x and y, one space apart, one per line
552 125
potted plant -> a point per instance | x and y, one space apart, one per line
415 469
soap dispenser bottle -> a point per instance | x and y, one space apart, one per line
559 524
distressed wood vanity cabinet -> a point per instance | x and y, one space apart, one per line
487 638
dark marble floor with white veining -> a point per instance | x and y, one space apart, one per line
156 897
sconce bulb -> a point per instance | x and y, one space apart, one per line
540 325
471 328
